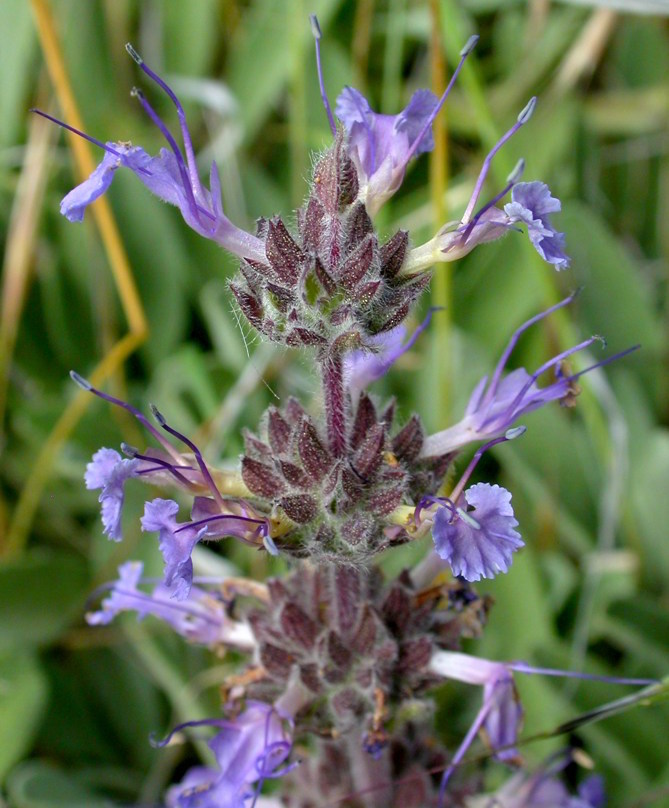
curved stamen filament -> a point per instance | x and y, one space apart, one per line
175 606
512 179
86 385
510 435
316 31
546 366
181 164
198 455
522 119
499 369
159 463
464 53
89 138
262 525
185 133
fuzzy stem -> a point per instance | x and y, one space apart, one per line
335 403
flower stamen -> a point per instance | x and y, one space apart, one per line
317 34
522 119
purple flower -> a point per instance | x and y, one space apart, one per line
362 367
476 534
176 543
531 203
496 405
382 145
201 618
543 789
109 471
172 176
500 716
248 750
211 519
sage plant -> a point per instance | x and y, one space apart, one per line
334 697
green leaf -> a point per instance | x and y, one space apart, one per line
37 784
40 595
16 55
23 697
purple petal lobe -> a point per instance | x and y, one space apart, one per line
479 540
412 119
531 203
75 203
505 715
591 792
109 471
175 544
380 145
122 594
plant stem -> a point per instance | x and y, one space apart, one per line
335 402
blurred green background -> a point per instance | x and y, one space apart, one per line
590 485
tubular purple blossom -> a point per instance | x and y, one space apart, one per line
201 618
213 516
494 407
362 367
531 203
177 540
169 176
248 750
381 146
473 530
500 716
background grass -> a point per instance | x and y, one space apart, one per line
590 485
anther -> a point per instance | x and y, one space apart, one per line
158 415
470 45
515 432
83 383
527 111
133 54
315 27
517 173
129 450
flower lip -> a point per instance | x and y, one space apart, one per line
476 535
201 618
